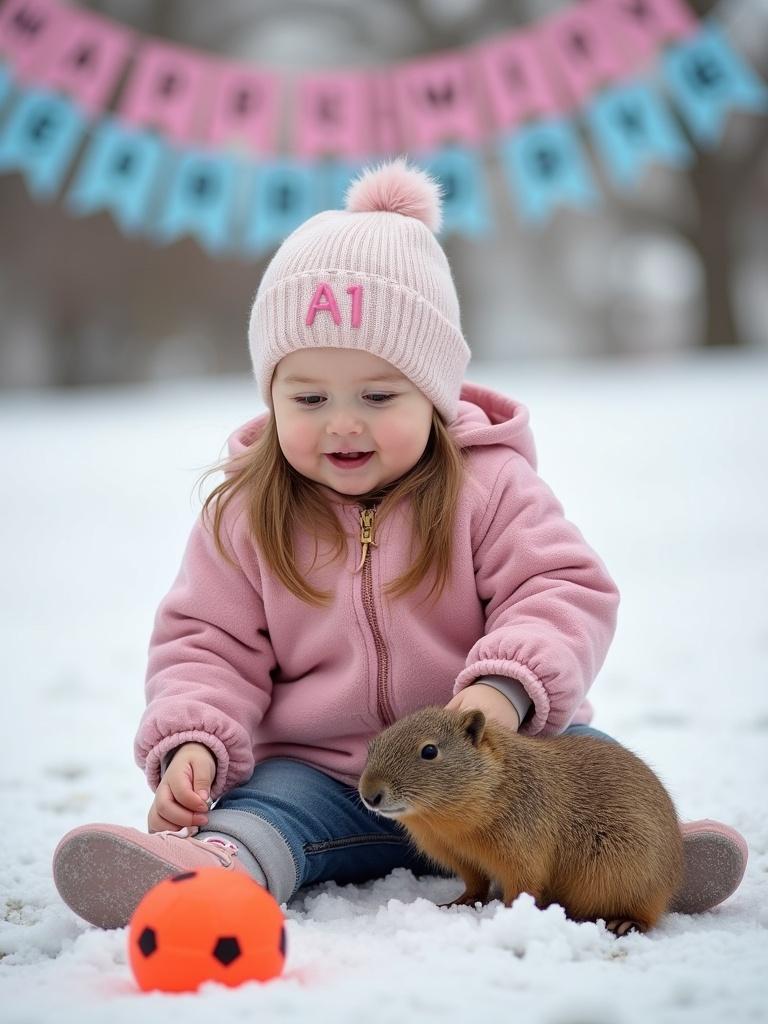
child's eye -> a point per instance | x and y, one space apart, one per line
307 400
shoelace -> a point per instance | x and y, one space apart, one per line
188 832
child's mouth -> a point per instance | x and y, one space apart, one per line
349 461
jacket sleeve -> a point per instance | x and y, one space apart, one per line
550 605
210 661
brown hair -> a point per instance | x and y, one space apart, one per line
280 500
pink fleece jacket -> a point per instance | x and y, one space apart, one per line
240 664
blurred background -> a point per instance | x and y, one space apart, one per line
677 262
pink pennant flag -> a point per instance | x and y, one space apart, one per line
437 102
646 24
244 107
581 46
166 90
386 136
26 27
332 115
85 58
515 79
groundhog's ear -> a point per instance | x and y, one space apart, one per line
473 724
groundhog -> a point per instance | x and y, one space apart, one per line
573 820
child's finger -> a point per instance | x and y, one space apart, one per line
157 823
185 796
171 810
176 818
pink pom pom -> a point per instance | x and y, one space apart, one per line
397 188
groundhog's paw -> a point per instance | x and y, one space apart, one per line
467 899
621 927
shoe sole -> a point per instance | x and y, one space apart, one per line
714 867
103 878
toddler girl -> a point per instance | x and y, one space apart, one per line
381 542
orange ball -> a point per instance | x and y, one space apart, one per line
205 925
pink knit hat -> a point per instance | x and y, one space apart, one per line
372 276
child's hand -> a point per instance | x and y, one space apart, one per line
490 701
178 800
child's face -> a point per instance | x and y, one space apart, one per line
342 407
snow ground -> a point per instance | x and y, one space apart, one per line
661 465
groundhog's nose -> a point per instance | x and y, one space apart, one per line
374 799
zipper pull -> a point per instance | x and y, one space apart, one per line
366 533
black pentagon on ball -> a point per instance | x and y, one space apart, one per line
226 950
147 941
183 877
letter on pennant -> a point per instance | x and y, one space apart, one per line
26 26
39 138
85 58
119 172
708 79
632 128
333 116
165 91
244 107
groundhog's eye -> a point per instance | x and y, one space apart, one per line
429 752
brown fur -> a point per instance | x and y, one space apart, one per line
572 820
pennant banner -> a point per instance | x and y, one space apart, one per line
175 143
546 168
285 194
200 200
332 116
167 91
5 84
436 102
580 45
26 29
39 139
466 209
632 128
708 80
84 58
646 25
120 172
244 108
516 82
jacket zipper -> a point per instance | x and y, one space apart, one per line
383 707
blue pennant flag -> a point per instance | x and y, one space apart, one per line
5 84
285 194
546 168
336 178
632 128
119 172
707 79
39 138
201 200
465 198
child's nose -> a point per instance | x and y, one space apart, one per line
344 424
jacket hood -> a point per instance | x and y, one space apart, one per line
484 418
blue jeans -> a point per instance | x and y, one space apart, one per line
302 827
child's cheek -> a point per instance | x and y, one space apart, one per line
305 439
403 435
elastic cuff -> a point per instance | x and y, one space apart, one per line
513 690
538 717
